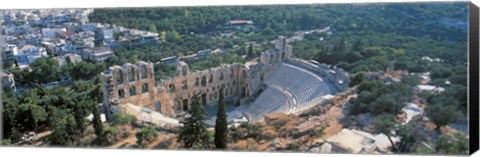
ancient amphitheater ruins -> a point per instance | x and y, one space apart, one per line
275 82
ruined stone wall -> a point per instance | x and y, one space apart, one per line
135 83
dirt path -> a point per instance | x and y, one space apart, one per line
131 139
160 138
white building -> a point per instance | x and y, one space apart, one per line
53 32
29 53
430 88
97 54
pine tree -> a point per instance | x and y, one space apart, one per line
221 125
193 132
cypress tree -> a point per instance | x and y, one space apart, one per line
221 125
97 123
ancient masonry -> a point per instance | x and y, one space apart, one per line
135 83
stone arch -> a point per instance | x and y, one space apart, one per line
210 79
118 76
132 91
144 87
221 75
244 74
184 85
185 105
243 92
197 82
131 74
204 81
143 72
158 106
121 93
171 88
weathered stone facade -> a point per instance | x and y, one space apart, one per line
135 83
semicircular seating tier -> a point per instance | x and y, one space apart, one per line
290 89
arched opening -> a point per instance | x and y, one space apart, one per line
132 90
144 87
143 72
204 98
243 92
244 73
221 75
197 82
184 85
158 106
118 77
121 93
171 88
131 74
210 80
204 81
185 105
232 73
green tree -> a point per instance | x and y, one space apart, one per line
452 144
357 79
385 124
152 28
44 70
406 133
441 114
358 45
221 125
146 135
193 132
172 36
122 118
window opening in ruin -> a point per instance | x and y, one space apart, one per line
171 88
261 77
197 82
210 80
121 93
131 74
232 73
221 76
144 88
244 74
118 77
158 106
133 92
184 85
143 72
243 92
185 105
204 81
